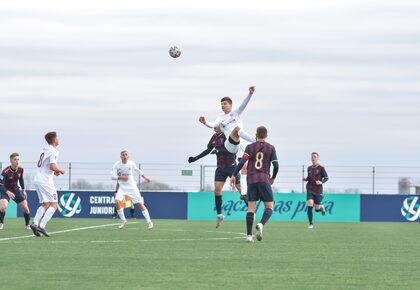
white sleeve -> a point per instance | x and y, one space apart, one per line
114 172
214 124
244 104
137 170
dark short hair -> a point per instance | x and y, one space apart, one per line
13 155
316 153
262 132
226 99
50 136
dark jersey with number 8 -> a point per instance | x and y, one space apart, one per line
259 155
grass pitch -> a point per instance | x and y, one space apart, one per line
195 255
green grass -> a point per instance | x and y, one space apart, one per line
194 255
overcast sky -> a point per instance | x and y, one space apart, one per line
338 77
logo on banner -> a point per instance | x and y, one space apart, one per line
411 208
69 204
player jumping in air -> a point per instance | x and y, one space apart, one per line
230 123
316 177
123 172
44 184
226 163
260 155
9 179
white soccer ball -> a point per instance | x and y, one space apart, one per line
175 51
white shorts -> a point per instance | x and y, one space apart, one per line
232 148
46 192
237 149
134 195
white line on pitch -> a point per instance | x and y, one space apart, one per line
141 241
64 231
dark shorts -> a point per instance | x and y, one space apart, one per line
19 197
317 198
223 173
260 191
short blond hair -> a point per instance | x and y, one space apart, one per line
124 151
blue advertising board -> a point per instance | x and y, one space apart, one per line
100 204
390 208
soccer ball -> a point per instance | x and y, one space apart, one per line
175 51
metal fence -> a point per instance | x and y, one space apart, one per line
195 177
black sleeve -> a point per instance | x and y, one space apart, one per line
275 169
21 181
204 153
324 175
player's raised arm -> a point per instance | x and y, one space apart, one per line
245 102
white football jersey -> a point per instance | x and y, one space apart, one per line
48 156
228 122
127 169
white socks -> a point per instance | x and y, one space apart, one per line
244 185
246 136
47 216
121 214
146 216
39 213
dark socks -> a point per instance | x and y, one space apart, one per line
2 214
249 222
310 214
27 218
218 201
318 210
266 216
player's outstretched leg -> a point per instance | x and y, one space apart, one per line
246 136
